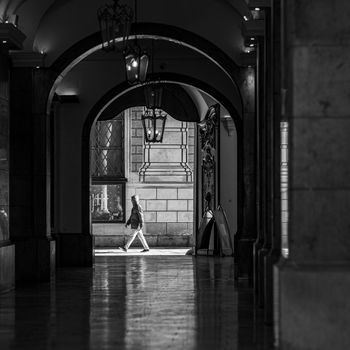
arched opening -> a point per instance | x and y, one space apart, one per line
175 220
179 37
218 82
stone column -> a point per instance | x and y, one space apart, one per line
11 39
260 167
244 240
30 173
312 286
7 249
274 252
73 225
267 135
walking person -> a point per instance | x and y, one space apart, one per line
136 221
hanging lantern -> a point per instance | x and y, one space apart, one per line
114 21
136 64
153 122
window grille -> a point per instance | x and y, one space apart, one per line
107 150
107 192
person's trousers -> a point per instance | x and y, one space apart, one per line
138 233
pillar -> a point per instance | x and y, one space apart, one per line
72 203
7 248
312 308
274 150
11 39
244 240
30 177
260 175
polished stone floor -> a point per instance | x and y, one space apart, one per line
135 302
138 251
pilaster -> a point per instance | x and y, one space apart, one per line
312 306
10 38
30 173
244 240
274 252
168 161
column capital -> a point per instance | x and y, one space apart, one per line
11 38
27 59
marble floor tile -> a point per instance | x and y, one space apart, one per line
138 251
136 302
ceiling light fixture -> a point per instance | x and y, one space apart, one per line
153 122
136 59
114 21
153 118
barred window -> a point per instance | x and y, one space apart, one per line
107 148
107 192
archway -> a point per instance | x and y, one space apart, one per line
121 97
153 31
222 87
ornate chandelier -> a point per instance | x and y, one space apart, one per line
153 118
136 64
153 122
115 20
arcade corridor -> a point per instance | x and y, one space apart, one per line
236 107
151 302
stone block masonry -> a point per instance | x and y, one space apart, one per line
165 186
178 204
147 193
167 193
171 206
168 217
137 139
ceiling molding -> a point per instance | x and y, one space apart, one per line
27 59
11 38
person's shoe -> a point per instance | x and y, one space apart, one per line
144 251
123 248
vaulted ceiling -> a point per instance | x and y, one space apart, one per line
53 26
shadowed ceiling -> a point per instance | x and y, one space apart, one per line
53 26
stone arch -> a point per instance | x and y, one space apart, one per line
91 43
124 88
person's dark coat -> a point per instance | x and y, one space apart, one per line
136 219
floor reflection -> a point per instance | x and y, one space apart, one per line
135 302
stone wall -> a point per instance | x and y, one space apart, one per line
312 285
165 186
137 139
168 213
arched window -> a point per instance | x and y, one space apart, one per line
107 193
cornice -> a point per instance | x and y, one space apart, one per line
11 38
27 59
